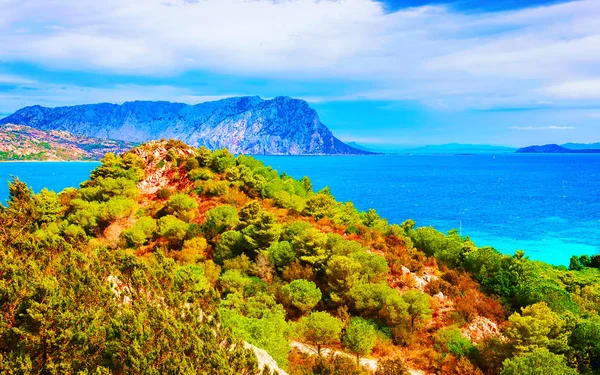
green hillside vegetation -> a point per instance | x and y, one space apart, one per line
170 258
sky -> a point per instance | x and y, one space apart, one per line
380 73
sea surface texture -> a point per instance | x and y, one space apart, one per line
547 205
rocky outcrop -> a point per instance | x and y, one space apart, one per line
247 125
480 329
265 360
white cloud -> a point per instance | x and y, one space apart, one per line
53 95
16 80
580 89
434 54
542 128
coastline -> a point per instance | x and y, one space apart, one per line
49 161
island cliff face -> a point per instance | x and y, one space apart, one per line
248 125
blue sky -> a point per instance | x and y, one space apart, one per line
396 72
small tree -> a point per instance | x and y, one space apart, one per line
220 219
182 206
301 294
418 306
172 229
320 328
359 338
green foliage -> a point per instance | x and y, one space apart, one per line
68 305
229 245
220 160
140 232
117 208
451 249
193 250
182 206
538 362
164 193
320 205
370 298
47 206
281 254
536 327
234 281
585 344
452 340
260 321
320 328
419 309
342 273
68 309
128 166
579 263
359 337
261 230
172 229
102 189
191 163
220 219
309 244
213 188
241 263
374 267
301 294
201 174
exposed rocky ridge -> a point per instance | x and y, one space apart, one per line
18 142
247 125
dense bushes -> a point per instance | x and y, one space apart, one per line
271 260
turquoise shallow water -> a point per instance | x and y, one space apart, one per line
547 205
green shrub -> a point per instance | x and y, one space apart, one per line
172 229
182 206
191 163
220 219
200 174
164 193
301 294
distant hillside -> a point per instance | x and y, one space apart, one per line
18 142
554 149
458 148
360 147
248 125
582 146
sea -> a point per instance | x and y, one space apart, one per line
545 204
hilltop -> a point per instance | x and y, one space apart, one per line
19 142
243 125
173 259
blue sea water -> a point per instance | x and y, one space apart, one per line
547 205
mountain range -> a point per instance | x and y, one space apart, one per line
248 125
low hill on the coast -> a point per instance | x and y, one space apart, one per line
19 142
555 149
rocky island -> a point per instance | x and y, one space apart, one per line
243 125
